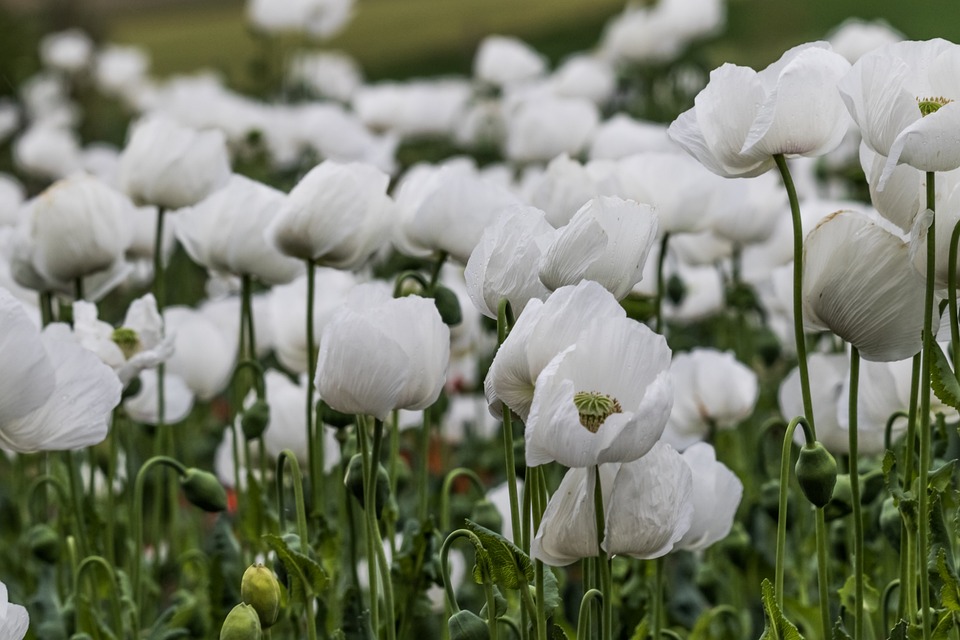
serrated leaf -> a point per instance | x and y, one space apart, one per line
556 632
941 479
839 632
507 564
776 626
944 626
950 592
309 576
890 477
899 632
642 631
551 591
848 595
942 379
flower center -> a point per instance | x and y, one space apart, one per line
595 407
931 105
128 341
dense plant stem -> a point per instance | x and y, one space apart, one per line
657 616
452 476
798 333
289 457
504 315
423 472
924 464
314 439
368 506
823 581
98 561
782 505
855 495
606 581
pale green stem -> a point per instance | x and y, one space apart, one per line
423 475
924 467
782 509
661 260
76 499
503 328
797 288
448 485
606 582
822 575
657 597
289 457
855 495
583 619
314 438
451 605
115 610
908 552
952 297
369 507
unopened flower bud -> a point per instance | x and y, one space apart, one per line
204 490
44 543
242 623
466 625
255 419
336 419
260 589
354 482
448 305
817 473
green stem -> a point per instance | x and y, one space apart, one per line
504 322
797 288
448 485
423 471
76 500
115 610
289 457
952 295
606 582
908 552
782 508
371 481
314 439
657 597
855 495
583 619
823 579
369 507
926 366
661 260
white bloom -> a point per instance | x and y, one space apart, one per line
203 355
854 37
317 18
12 195
503 60
539 129
622 136
47 151
329 74
715 496
68 51
567 185
14 619
144 405
413 108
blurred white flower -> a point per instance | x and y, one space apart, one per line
317 18
203 355
659 33
585 76
169 165
12 195
504 60
69 51
413 108
567 185
120 70
622 136
48 152
539 129
144 405
14 619
715 497
327 74
855 37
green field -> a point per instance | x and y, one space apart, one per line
398 38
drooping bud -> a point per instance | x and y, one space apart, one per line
336 419
255 419
448 305
203 490
260 589
242 623
817 474
466 625
44 543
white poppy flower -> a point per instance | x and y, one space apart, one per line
543 330
743 118
204 354
606 398
337 215
375 358
144 406
79 226
506 261
12 195
585 76
715 497
567 185
676 185
858 281
854 37
712 389
622 136
503 60
828 373
568 529
902 96
57 395
413 108
223 232
14 619
47 151
316 18
607 241
541 128
170 165
328 74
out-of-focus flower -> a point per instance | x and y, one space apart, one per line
567 185
169 165
678 188
854 37
12 195
121 69
858 281
376 358
224 232
747 211
827 375
14 619
144 406
414 108
715 496
55 394
902 96
47 151
328 74
584 76
338 215
503 60
743 118
9 118
539 129
138 344
606 398
660 33
69 51
287 428
79 226
607 241
317 18
447 209
711 390
203 354
542 331
622 136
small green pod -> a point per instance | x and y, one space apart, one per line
817 473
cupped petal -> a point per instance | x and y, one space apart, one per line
931 143
144 406
715 497
568 530
28 378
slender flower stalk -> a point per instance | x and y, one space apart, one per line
606 581
82 570
858 560
504 322
952 296
288 457
453 476
314 439
661 283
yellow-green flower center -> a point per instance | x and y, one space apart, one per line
931 105
128 341
595 407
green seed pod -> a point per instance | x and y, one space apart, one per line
336 419
242 623
890 522
354 482
466 625
260 589
676 289
448 305
817 473
204 490
255 419
485 514
44 543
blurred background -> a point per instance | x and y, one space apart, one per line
406 38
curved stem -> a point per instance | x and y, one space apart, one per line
504 322
888 429
855 495
782 508
583 619
885 603
289 457
661 260
797 287
115 610
926 366
41 482
448 485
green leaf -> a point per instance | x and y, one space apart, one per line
499 605
839 632
556 632
642 632
941 479
551 591
309 578
848 595
899 632
944 626
890 477
776 626
943 381
504 562
950 592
